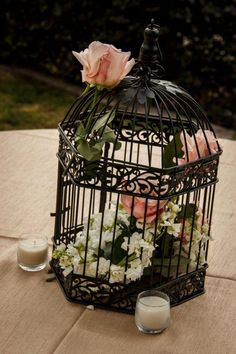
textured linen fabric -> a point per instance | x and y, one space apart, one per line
35 316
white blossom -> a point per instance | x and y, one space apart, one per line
71 250
134 273
174 229
117 273
104 265
65 261
98 234
61 247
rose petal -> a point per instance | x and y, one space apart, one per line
96 52
82 57
118 61
127 68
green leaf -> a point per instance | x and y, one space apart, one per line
122 225
170 153
188 213
118 253
104 120
110 137
90 169
99 145
92 150
80 132
118 145
90 153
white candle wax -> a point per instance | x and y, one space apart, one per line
32 252
153 313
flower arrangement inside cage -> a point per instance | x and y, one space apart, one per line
124 255
136 182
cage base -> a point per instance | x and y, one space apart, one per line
122 298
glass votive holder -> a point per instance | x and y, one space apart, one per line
32 252
152 312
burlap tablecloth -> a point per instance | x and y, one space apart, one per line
34 315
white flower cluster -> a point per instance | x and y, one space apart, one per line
98 236
195 237
167 220
92 254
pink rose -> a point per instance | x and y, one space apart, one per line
139 205
191 146
103 64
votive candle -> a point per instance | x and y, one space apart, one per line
32 253
152 314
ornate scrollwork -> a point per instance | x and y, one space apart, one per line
185 287
122 297
138 180
144 133
192 177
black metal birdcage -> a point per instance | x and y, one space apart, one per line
134 211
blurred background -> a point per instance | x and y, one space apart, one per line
40 78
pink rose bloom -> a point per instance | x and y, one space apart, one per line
191 147
139 205
103 64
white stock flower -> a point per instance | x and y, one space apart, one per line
139 225
61 247
148 236
146 258
174 229
94 242
104 265
71 250
175 208
80 240
109 217
134 273
123 216
164 216
139 244
65 261
116 273
106 237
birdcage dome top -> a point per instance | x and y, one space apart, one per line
144 122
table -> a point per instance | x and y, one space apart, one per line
36 318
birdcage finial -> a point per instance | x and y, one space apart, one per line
150 53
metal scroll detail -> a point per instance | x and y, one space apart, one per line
193 176
123 297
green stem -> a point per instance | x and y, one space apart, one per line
131 258
95 99
159 236
87 88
